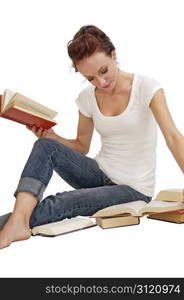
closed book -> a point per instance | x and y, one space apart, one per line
175 216
111 222
171 195
21 109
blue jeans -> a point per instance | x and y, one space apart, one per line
93 190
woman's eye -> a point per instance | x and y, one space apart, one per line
104 71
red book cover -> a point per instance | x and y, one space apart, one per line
26 118
181 211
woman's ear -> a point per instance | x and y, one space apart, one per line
113 54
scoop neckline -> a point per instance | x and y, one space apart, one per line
130 102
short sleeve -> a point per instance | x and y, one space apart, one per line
83 103
149 87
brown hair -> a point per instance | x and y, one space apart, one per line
88 40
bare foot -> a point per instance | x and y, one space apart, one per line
15 229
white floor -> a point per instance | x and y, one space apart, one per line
150 249
41 71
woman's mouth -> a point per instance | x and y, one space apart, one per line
106 85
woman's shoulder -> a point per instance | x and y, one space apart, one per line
146 81
146 88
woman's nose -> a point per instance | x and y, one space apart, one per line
101 81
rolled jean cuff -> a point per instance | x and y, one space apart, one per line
31 185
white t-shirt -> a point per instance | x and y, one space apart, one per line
128 141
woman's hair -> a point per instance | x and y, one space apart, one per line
88 40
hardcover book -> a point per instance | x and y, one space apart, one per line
172 216
171 195
21 109
110 222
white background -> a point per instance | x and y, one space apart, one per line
148 36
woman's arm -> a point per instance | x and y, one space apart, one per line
174 139
82 141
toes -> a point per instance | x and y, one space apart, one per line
4 244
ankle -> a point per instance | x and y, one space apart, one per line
21 218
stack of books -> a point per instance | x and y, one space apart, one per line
173 195
168 205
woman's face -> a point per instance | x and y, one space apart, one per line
100 69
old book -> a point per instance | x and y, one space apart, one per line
21 109
61 227
172 216
139 208
171 195
110 222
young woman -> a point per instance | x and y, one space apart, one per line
124 108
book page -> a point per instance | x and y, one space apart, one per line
31 112
64 226
7 97
132 207
161 206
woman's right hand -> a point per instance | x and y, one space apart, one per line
44 133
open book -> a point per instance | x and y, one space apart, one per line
139 208
18 108
64 226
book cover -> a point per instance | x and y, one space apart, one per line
174 217
111 222
171 195
26 118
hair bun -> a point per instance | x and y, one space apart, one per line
87 41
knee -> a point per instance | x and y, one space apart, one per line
44 144
48 144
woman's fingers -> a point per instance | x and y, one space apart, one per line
37 131
41 132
